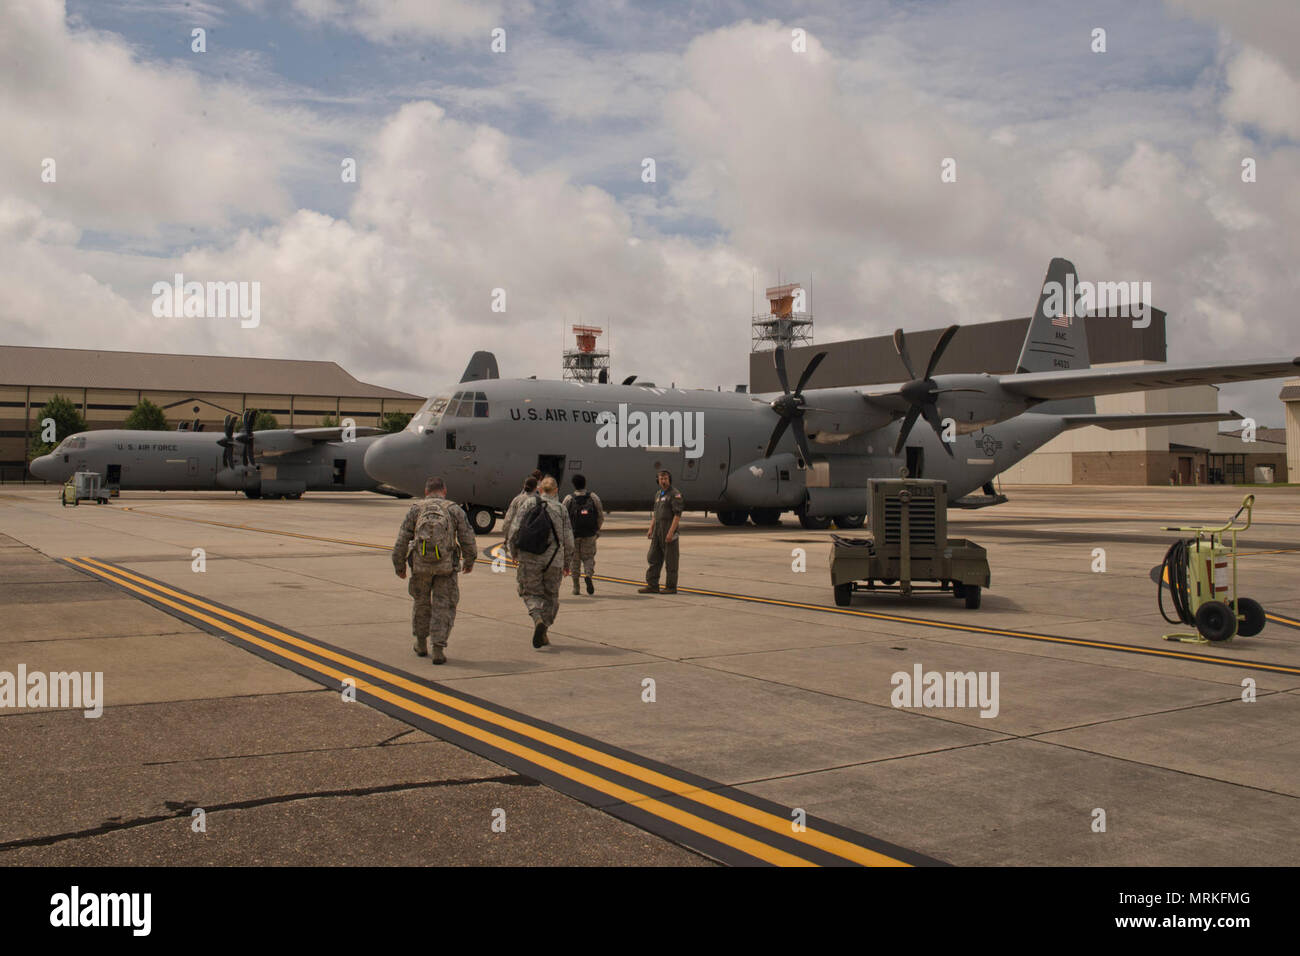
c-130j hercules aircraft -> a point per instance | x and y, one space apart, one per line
272 463
810 451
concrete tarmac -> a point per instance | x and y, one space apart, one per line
784 697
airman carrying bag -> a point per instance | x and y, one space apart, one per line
536 529
582 515
433 549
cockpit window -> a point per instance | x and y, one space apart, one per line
428 417
75 443
468 405
459 405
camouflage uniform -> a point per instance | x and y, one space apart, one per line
436 596
584 556
539 575
512 514
667 504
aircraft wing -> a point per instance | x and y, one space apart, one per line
890 400
283 441
334 433
1081 383
1139 420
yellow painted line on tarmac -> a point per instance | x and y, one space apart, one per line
496 550
969 628
249 527
190 604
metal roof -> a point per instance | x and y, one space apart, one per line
159 372
1273 435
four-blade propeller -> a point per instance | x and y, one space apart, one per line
228 443
791 406
922 393
250 416
244 439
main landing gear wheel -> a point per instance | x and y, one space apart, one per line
1254 614
813 523
252 494
849 522
1216 621
765 517
844 594
733 519
481 519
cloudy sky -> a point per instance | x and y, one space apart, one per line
523 170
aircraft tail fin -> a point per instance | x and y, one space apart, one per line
482 365
1057 338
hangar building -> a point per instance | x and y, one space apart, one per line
1185 454
1290 396
106 385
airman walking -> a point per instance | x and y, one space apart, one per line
587 515
435 542
542 537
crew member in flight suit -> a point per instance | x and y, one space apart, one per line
663 537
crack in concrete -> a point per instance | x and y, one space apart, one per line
183 808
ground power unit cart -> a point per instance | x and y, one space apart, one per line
83 486
908 543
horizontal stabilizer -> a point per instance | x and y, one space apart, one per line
1115 422
1080 383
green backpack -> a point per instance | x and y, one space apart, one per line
433 548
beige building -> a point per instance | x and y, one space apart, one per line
1177 454
105 386
1290 396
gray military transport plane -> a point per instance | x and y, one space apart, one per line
810 451
272 463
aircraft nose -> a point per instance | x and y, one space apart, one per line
43 468
394 460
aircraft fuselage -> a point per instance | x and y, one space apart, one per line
712 442
194 461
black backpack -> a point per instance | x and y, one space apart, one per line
582 514
536 529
